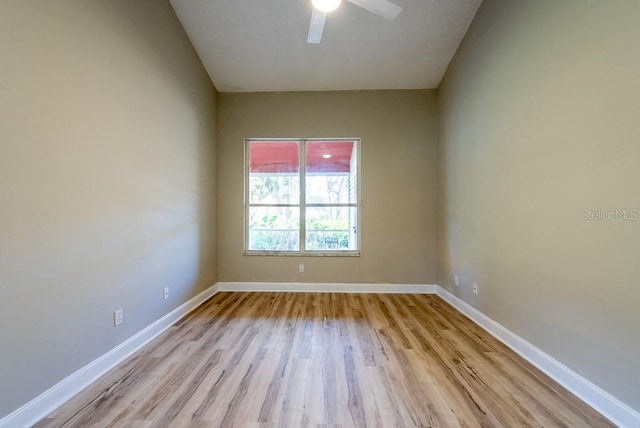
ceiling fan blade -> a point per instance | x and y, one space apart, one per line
316 26
383 8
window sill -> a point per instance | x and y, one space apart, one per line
303 254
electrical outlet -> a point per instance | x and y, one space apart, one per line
118 317
456 280
301 268
165 293
475 288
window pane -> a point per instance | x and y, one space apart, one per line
331 229
274 168
331 172
274 229
274 189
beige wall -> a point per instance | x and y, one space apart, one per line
107 181
398 131
540 120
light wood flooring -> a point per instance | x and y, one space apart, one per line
322 359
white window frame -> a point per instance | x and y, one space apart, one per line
303 203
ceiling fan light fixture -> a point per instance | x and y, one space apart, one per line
326 5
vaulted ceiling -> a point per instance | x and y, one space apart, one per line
261 45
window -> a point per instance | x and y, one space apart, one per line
302 197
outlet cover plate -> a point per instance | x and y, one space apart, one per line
118 317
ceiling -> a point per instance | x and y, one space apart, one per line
261 45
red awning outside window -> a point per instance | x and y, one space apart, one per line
282 156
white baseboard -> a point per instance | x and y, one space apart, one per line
609 406
49 400
308 287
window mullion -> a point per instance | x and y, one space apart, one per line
273 205
332 205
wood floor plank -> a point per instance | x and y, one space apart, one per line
324 360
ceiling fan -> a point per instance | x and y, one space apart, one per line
321 8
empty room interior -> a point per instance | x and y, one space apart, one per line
251 213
